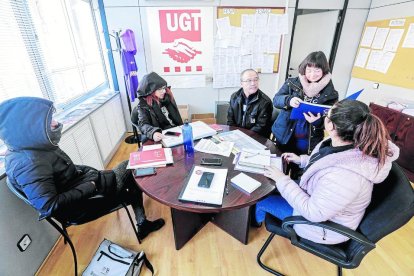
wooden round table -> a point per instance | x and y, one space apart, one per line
188 218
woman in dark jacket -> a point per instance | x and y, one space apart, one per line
157 109
54 186
314 85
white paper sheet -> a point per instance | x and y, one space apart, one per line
223 148
393 40
374 58
368 36
380 37
223 27
247 23
274 44
409 37
385 62
240 139
362 57
268 63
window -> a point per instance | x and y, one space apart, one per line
49 49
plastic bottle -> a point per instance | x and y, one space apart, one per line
188 137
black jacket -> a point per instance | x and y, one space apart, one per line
150 118
284 127
257 115
36 165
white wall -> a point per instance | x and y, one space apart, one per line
123 14
380 10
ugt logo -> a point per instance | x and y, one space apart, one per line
176 24
180 28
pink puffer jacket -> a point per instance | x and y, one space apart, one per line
338 188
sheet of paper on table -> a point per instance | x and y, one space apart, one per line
223 148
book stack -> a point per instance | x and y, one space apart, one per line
158 157
254 158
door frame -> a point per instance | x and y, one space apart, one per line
335 42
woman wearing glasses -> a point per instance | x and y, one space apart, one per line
339 174
313 85
157 109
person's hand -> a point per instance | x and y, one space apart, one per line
273 173
182 51
291 157
294 102
158 136
311 118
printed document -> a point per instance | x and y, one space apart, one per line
240 140
221 148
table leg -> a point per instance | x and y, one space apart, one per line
186 225
234 222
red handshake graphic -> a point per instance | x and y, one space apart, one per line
181 51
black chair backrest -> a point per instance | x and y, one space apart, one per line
275 113
134 115
391 207
18 193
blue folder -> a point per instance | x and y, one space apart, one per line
355 95
304 107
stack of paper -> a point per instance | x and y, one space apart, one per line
274 162
154 156
254 158
200 130
245 183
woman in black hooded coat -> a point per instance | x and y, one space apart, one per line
157 109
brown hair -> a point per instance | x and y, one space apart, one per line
151 97
315 59
354 122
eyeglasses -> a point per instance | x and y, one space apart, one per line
164 88
252 80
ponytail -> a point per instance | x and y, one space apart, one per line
371 137
354 122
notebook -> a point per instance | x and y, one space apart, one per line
245 183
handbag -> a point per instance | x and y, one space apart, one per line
111 259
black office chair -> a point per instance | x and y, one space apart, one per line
391 207
275 113
104 208
134 121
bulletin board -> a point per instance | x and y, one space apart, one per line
235 15
399 61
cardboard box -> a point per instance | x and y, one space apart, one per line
207 118
184 110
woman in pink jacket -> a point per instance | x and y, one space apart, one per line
339 174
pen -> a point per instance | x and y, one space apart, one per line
227 186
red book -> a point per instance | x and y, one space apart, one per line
148 156
216 127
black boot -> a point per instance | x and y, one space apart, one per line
146 227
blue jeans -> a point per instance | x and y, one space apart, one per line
274 205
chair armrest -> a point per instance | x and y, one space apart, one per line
288 222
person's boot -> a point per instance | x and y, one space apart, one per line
146 227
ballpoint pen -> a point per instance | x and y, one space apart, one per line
227 186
